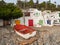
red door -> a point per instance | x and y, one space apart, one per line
30 22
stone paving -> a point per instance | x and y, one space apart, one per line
47 36
9 37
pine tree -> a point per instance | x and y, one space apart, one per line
20 3
31 3
37 4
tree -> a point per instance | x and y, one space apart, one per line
58 7
47 6
31 3
2 3
15 11
36 5
10 11
42 5
20 4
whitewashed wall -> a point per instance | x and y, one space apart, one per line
1 22
36 18
21 21
33 17
26 20
39 17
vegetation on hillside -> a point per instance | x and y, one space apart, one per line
45 5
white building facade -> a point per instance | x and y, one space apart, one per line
37 18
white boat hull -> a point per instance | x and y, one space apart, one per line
26 36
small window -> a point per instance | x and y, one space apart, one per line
37 14
27 13
48 12
59 20
55 20
59 14
51 16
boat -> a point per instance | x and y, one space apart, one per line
24 31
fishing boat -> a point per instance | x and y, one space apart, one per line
24 31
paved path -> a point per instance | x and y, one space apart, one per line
47 36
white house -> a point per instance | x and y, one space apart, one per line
47 18
52 18
56 18
36 18
33 17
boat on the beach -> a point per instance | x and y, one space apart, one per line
24 31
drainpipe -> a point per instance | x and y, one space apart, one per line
24 12
24 17
43 18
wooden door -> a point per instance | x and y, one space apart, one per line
30 22
49 22
40 22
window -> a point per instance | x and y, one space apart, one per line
37 14
52 17
27 13
59 20
59 14
55 21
